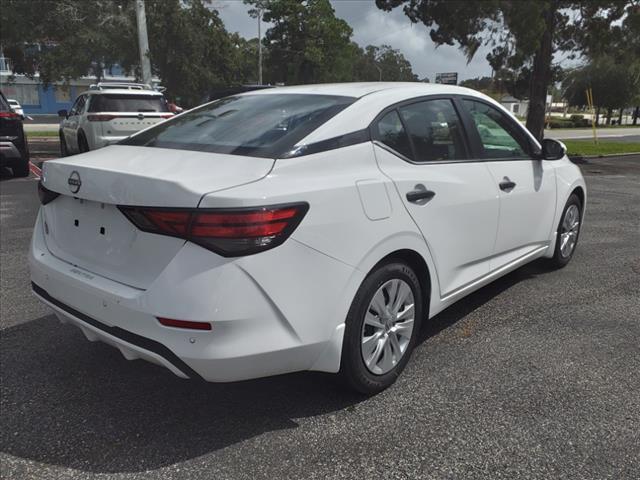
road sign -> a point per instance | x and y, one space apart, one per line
450 78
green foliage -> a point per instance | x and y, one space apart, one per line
190 50
614 85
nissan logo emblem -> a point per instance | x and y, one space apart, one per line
74 182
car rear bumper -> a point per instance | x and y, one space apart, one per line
104 141
266 317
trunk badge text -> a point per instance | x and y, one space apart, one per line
74 182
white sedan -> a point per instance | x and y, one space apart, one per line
300 228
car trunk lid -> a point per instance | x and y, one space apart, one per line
85 227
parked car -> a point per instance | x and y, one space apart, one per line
16 107
108 113
14 151
300 228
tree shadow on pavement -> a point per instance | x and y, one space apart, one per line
69 402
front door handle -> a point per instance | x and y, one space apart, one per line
420 195
507 185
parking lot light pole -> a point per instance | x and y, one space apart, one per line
143 42
259 48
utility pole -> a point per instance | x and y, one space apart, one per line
259 48
143 42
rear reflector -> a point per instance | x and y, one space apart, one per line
169 322
229 232
45 194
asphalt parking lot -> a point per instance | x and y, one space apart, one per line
534 376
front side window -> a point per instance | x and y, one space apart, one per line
262 125
390 131
499 137
112 102
434 129
76 105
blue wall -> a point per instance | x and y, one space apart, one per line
48 103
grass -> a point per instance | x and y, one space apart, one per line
44 133
604 147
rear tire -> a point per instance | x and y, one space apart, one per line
64 151
21 169
568 232
383 321
83 145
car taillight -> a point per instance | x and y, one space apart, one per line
229 232
167 115
188 324
45 194
100 118
9 115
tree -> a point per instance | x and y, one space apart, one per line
64 39
522 33
307 42
190 49
385 63
614 85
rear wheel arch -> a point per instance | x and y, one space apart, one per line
419 266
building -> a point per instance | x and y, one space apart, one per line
515 106
36 98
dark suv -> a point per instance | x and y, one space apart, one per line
14 152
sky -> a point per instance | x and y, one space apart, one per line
372 26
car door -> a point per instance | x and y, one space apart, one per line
422 147
71 123
526 185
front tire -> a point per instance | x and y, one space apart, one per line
381 328
568 232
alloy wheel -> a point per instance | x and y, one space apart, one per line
387 327
569 231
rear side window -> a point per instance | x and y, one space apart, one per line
390 131
435 131
254 125
127 103
499 137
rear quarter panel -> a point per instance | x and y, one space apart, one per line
343 222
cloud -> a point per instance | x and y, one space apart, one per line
372 26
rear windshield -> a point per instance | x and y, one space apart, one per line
127 103
253 125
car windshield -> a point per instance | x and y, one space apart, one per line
127 103
267 125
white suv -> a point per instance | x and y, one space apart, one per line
108 113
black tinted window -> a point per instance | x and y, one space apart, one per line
434 128
500 138
391 133
254 125
127 103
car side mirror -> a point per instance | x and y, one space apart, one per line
63 113
553 149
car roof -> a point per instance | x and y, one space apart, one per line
122 91
360 89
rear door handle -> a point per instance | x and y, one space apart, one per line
507 185
420 195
